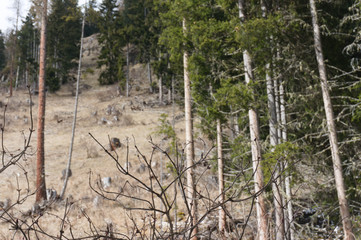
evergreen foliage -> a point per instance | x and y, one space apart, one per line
64 31
111 59
28 41
91 19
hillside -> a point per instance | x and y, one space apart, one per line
101 195
103 113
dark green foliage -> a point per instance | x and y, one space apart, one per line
133 18
63 37
51 80
111 59
167 132
91 19
28 41
283 152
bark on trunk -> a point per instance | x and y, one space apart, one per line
271 109
149 77
289 220
40 163
189 144
11 77
17 77
75 113
222 213
236 125
169 95
282 165
127 77
337 166
276 184
27 76
258 176
160 86
255 146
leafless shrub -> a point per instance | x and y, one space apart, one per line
156 207
162 205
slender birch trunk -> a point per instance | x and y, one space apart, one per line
40 163
17 76
222 213
169 95
149 77
289 220
337 166
276 184
282 165
236 125
258 176
11 74
255 147
27 75
271 109
189 143
160 85
67 173
127 77
273 131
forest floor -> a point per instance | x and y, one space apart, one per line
103 113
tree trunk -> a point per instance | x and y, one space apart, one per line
149 77
289 220
27 75
337 166
282 165
127 77
271 109
75 112
11 73
273 131
160 86
256 158
276 183
169 95
236 125
255 146
258 176
40 163
222 213
189 144
17 76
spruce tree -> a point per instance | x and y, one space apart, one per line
27 44
62 48
112 42
91 19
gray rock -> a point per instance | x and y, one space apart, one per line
106 182
63 173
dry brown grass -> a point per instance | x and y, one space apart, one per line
89 159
